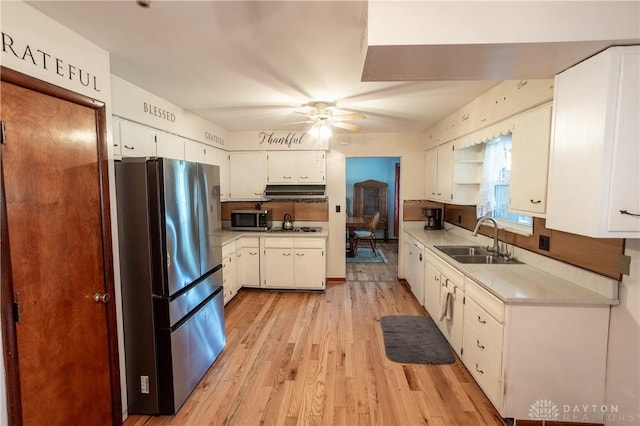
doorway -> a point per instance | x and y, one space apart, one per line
58 323
372 185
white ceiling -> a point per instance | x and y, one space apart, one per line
251 65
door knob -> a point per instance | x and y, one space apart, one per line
101 297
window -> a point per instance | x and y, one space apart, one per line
494 189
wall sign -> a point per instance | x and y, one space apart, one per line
158 112
48 62
292 138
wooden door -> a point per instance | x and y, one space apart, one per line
60 258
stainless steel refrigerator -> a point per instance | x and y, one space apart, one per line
171 273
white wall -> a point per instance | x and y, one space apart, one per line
623 360
57 55
477 22
408 146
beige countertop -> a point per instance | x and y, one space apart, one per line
228 236
513 284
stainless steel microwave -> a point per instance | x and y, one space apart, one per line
251 220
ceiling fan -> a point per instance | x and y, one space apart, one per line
323 118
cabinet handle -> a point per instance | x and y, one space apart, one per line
420 257
129 147
629 214
299 254
478 370
303 177
479 345
436 278
481 321
535 201
257 193
439 193
286 254
286 177
465 117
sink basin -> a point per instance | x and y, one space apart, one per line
475 255
484 259
464 250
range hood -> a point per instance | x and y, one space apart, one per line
294 191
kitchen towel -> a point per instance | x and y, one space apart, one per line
446 304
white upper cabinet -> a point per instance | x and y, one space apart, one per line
247 175
169 146
296 167
221 159
594 166
199 152
137 140
529 161
439 173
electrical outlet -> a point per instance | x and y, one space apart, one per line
337 209
459 218
144 384
544 242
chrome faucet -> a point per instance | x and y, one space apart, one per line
496 248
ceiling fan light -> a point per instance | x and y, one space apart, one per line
320 130
314 131
324 131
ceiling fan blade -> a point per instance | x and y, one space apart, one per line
352 116
299 122
346 126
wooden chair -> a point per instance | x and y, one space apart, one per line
368 235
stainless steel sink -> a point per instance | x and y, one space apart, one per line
464 250
475 255
481 259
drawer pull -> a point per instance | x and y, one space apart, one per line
481 321
479 345
535 201
478 370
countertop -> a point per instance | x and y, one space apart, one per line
228 236
515 283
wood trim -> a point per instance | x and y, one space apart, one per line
336 280
6 303
551 423
9 337
413 210
599 255
396 203
300 210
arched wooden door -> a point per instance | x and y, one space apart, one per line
57 258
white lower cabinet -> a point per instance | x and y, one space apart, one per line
294 263
414 267
523 353
248 262
443 298
483 336
309 263
278 263
229 271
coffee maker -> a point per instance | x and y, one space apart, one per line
433 219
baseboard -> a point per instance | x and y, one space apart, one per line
516 422
336 280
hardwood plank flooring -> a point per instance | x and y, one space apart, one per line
319 359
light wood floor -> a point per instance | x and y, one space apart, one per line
308 358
